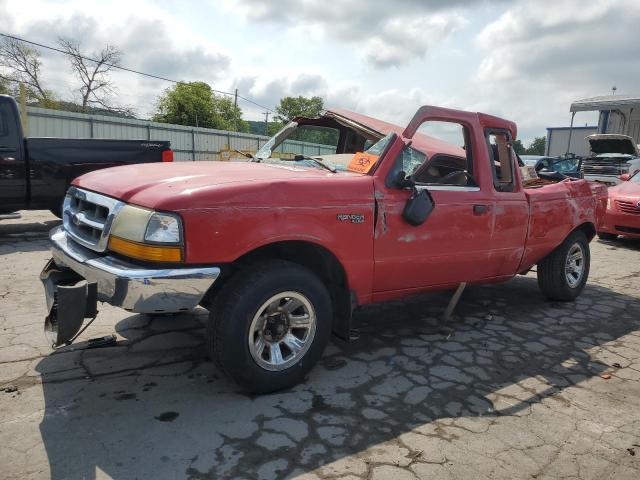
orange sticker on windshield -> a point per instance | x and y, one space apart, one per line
362 162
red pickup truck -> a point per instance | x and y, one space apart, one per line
283 248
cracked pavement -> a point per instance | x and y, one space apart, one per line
512 387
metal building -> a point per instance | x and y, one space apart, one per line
558 139
618 113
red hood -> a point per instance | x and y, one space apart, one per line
154 184
626 189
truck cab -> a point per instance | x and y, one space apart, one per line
13 167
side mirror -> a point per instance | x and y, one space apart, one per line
403 181
624 177
418 207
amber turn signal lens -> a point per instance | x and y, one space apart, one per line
141 251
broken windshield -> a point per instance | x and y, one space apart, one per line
320 146
266 150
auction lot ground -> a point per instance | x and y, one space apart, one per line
513 387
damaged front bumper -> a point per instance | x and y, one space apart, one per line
76 278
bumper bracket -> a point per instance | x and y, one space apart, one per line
70 299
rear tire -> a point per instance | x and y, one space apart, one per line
607 236
258 314
563 274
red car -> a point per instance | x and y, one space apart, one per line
283 248
623 209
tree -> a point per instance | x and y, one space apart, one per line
228 115
518 147
23 65
537 146
4 86
290 107
195 104
95 76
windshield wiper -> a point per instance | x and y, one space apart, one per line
332 169
246 154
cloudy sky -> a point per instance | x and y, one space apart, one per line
522 59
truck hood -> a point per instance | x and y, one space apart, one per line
171 184
612 143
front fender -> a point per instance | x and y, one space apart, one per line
224 234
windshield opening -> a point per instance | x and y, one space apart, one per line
334 146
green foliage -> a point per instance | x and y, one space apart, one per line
4 87
228 115
195 104
290 107
537 146
519 147
257 127
315 134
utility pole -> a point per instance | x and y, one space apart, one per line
266 123
23 109
235 107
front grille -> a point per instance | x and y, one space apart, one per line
628 207
612 167
87 217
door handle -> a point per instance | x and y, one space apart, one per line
480 209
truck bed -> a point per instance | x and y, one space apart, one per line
555 210
54 162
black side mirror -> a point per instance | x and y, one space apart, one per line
403 181
418 207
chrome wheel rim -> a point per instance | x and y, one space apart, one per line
282 331
574 265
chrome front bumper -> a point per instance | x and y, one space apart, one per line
129 286
609 180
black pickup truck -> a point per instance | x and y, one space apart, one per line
35 172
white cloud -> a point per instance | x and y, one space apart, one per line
389 34
539 58
525 60
152 41
392 105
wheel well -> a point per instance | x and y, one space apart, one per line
588 229
312 256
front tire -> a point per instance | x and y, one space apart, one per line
607 236
563 274
269 325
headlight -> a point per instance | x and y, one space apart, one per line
163 228
147 235
608 203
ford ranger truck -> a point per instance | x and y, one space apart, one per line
281 249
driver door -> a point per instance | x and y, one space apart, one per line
453 245
13 180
